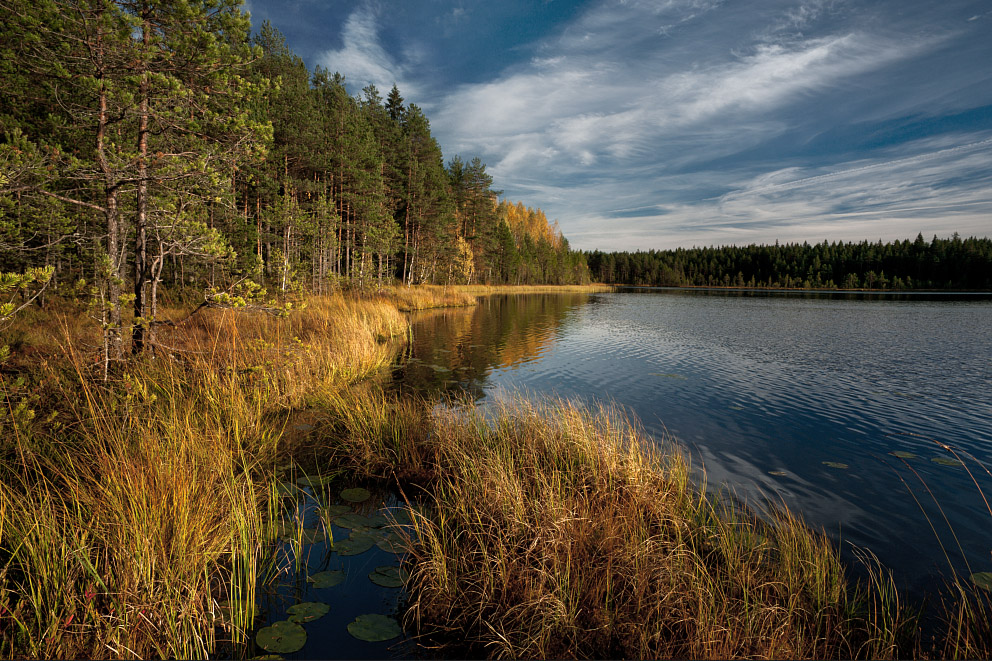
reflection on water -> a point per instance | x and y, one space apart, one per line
459 348
796 398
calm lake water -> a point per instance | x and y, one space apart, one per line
763 389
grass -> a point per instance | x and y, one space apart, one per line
485 290
558 532
132 511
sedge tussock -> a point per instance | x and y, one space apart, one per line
560 533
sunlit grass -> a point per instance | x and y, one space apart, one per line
130 510
555 531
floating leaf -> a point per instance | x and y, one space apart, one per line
309 536
380 521
835 464
944 461
903 455
982 579
389 576
778 473
352 521
392 543
374 628
356 495
315 481
327 579
228 608
335 510
308 611
283 637
286 489
355 544
402 516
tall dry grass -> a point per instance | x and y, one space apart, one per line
556 532
485 290
131 510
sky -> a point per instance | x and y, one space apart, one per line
676 123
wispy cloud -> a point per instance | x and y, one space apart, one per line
363 59
660 120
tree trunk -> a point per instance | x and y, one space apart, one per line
141 202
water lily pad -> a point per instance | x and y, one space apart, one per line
286 489
228 608
327 579
352 520
389 576
835 464
308 536
982 579
356 495
315 481
392 543
283 637
903 455
335 510
945 461
308 611
374 628
355 544
379 521
402 517
778 473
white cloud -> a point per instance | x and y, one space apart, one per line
364 61
629 106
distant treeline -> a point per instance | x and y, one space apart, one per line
953 263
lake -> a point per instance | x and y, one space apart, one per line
796 398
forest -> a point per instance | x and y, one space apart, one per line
953 263
150 143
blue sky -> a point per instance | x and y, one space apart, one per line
674 123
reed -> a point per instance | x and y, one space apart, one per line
132 511
135 513
556 531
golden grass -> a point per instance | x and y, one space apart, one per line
130 510
423 297
557 532
485 290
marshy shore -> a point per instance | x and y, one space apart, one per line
132 508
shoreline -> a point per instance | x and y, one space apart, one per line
575 496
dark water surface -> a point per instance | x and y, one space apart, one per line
756 383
